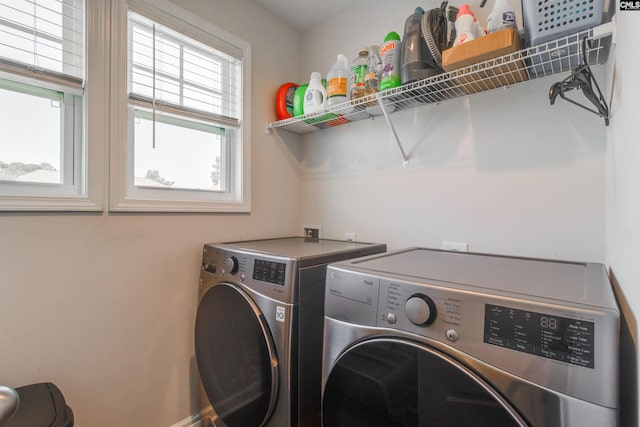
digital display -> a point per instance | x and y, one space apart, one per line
554 337
269 271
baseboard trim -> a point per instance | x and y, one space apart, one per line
192 421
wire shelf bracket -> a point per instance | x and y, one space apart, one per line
405 159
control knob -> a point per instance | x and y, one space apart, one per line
420 309
231 265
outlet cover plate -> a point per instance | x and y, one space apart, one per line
313 231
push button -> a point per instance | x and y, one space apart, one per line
391 318
452 335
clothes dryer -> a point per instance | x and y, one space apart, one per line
258 331
421 337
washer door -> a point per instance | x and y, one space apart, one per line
395 383
236 357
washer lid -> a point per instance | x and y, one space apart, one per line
306 251
580 283
236 357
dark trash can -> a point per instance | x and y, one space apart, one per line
41 405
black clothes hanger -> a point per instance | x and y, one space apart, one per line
581 78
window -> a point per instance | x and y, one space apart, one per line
183 143
44 156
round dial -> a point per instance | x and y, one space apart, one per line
420 309
231 264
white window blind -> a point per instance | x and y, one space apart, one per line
43 40
176 75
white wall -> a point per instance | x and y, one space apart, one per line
504 171
623 179
623 214
104 305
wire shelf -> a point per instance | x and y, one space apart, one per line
558 56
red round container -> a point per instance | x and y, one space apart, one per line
284 101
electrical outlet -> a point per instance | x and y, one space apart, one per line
312 231
350 237
455 246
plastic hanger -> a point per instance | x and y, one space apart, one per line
581 78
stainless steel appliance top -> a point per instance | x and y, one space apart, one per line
305 251
579 283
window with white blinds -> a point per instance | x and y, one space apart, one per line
44 154
43 40
186 147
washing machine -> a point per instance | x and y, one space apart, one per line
422 337
258 329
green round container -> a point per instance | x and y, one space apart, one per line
298 100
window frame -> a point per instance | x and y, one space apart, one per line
71 107
124 195
87 149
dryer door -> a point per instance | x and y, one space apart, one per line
236 357
396 383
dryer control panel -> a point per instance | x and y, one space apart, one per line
270 276
559 338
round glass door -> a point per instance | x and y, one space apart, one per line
393 383
236 357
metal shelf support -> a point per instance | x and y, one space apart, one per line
275 134
405 159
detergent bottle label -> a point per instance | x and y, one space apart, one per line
358 75
337 87
509 19
391 65
291 92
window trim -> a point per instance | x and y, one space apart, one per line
90 147
123 196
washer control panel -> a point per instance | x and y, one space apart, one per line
269 271
419 309
554 337
464 319
270 275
